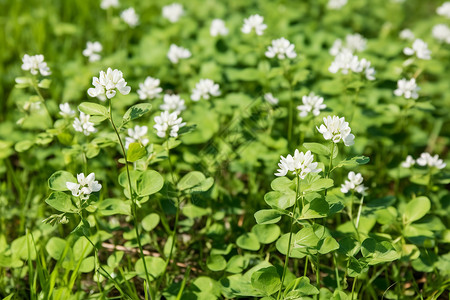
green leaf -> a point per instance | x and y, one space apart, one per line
23 146
267 216
155 267
282 246
149 182
192 211
416 209
57 181
266 233
237 264
305 238
266 280
111 206
282 184
317 148
377 252
44 83
87 265
327 245
150 221
280 200
216 263
136 111
317 208
353 162
190 180
93 109
61 201
248 241
319 185
300 287
55 247
135 152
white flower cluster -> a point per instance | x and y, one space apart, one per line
336 129
168 121
136 135
173 103
107 83
92 50
441 32
336 4
35 64
353 43
300 164
311 103
105 4
425 159
281 48
66 111
150 89
407 88
218 28
444 10
84 187
176 53
271 99
130 17
83 124
254 22
173 12
205 88
419 48
354 183
345 62
407 34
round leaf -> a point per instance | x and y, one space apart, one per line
58 180
216 263
266 280
150 221
417 208
248 241
266 233
149 182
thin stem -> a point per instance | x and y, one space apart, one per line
353 287
318 272
338 281
306 266
291 114
359 211
330 164
38 92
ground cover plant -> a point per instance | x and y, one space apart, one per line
224 149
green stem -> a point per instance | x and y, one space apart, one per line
353 287
336 271
359 211
291 114
330 164
318 272
306 266
38 92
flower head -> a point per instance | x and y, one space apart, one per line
83 124
205 88
168 121
92 50
84 187
136 135
354 183
407 88
105 4
176 53
130 17
407 34
336 4
254 22
66 111
281 48
345 62
353 43
150 89
173 103
300 164
444 10
420 48
336 129
107 83
218 28
441 32
271 99
409 162
311 103
426 159
35 64
173 12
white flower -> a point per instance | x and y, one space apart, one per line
105 4
337 47
66 111
167 121
336 4
409 162
130 17
107 83
84 187
218 28
281 48
353 42
311 103
136 135
301 164
336 129
407 88
345 62
368 70
354 183
271 99
83 125
254 22
426 159
444 10
420 48
176 53
173 12
205 88
149 89
91 51
441 32
34 64
173 103
407 34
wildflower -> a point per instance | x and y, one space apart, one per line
149 89
173 103
254 22
218 28
83 125
336 129
136 135
281 48
176 53
173 12
300 164
66 111
345 61
311 103
426 159
91 51
63 220
130 17
369 71
409 162
34 64
353 43
407 34
32 105
271 99
420 48
441 32
107 83
354 183
167 121
205 88
84 187
444 10
336 4
407 88
105 4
